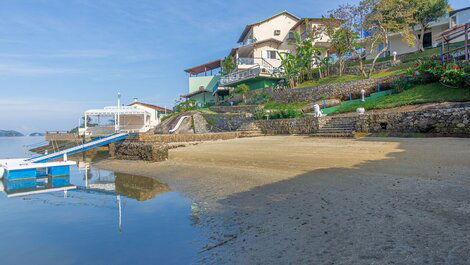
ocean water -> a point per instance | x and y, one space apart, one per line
110 218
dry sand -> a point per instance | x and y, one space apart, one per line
303 200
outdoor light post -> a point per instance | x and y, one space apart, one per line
363 93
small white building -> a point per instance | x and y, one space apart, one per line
156 112
137 117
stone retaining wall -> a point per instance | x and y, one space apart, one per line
237 109
331 91
305 125
145 151
221 122
328 91
178 138
454 121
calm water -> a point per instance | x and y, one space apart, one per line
110 219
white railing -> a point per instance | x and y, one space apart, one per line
245 61
240 76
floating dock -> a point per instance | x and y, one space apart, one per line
39 166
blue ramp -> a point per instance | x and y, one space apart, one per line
80 148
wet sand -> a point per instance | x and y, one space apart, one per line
304 200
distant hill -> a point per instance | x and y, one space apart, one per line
6 133
36 134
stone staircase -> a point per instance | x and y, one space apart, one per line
342 127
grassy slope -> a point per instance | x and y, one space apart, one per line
420 94
397 70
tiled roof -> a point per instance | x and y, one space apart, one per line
150 106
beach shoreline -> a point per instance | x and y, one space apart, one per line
300 199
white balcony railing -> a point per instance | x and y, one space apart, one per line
245 61
240 76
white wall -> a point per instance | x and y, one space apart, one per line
154 120
266 29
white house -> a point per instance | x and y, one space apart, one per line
431 36
156 112
137 117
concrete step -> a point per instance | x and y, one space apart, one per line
351 127
333 135
328 130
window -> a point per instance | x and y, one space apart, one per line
270 54
277 32
453 21
291 35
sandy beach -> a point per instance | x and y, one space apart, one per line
306 200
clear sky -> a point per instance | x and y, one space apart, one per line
61 57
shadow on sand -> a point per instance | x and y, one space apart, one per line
411 208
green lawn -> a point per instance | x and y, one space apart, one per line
420 94
329 80
273 105
392 71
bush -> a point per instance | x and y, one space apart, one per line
241 89
426 72
258 99
186 106
403 83
455 76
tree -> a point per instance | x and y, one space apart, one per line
242 89
228 65
378 18
343 42
425 12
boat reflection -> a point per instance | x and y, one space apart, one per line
37 185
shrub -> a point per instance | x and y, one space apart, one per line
241 89
455 76
426 71
260 98
403 83
186 106
259 114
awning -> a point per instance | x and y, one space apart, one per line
204 67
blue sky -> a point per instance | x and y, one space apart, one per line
59 58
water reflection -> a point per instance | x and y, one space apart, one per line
111 184
108 219
35 186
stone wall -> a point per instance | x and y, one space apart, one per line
133 150
451 121
222 122
236 109
305 125
179 138
328 91
331 91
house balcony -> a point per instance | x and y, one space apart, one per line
239 76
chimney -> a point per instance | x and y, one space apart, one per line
136 100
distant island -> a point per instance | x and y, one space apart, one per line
10 133
36 134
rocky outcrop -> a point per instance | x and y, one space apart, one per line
133 150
